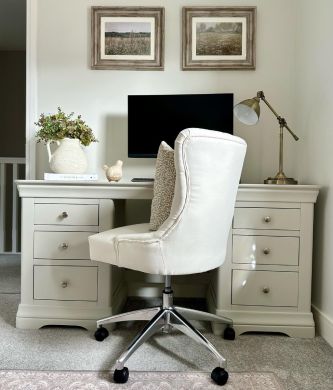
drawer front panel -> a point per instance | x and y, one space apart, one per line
264 288
61 245
265 250
266 218
66 214
65 283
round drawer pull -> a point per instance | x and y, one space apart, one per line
267 219
266 290
266 251
64 245
64 284
64 214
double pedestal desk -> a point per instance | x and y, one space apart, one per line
263 285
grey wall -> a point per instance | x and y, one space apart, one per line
64 78
314 106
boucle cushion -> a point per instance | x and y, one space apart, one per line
164 186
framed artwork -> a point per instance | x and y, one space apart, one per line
127 38
219 38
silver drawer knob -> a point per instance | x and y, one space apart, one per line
64 214
266 251
64 284
64 245
267 219
266 290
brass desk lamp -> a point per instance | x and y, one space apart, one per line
248 112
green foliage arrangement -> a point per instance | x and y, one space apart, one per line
57 126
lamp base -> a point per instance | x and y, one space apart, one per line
280 178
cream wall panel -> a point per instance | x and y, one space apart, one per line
64 78
314 61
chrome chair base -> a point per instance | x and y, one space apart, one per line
165 318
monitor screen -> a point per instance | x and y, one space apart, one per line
156 118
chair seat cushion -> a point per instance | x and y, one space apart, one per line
133 246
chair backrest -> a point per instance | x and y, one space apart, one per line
208 168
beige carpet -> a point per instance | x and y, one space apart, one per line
92 380
10 271
298 364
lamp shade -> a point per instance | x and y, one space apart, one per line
248 111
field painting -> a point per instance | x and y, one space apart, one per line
128 39
222 38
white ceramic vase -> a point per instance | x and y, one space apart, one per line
68 157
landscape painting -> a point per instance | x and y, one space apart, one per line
219 38
127 38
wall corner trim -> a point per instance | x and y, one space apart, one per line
31 87
324 325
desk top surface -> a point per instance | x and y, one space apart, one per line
104 183
128 183
125 189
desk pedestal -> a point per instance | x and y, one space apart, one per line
59 283
265 283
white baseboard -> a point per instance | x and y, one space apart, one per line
324 325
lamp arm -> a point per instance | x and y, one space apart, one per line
291 132
281 120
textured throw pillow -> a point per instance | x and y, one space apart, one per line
164 186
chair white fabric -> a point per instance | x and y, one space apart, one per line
193 239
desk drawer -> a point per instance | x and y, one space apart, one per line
265 250
66 214
266 218
65 283
264 288
61 245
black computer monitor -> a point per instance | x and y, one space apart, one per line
156 118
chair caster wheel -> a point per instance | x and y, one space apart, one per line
229 333
219 376
121 376
101 334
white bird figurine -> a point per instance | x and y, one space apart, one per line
115 172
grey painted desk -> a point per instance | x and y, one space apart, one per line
264 284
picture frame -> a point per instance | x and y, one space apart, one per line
129 38
218 38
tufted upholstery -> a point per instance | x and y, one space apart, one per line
164 186
194 237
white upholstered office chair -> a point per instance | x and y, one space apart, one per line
193 239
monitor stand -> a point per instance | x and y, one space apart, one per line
142 179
